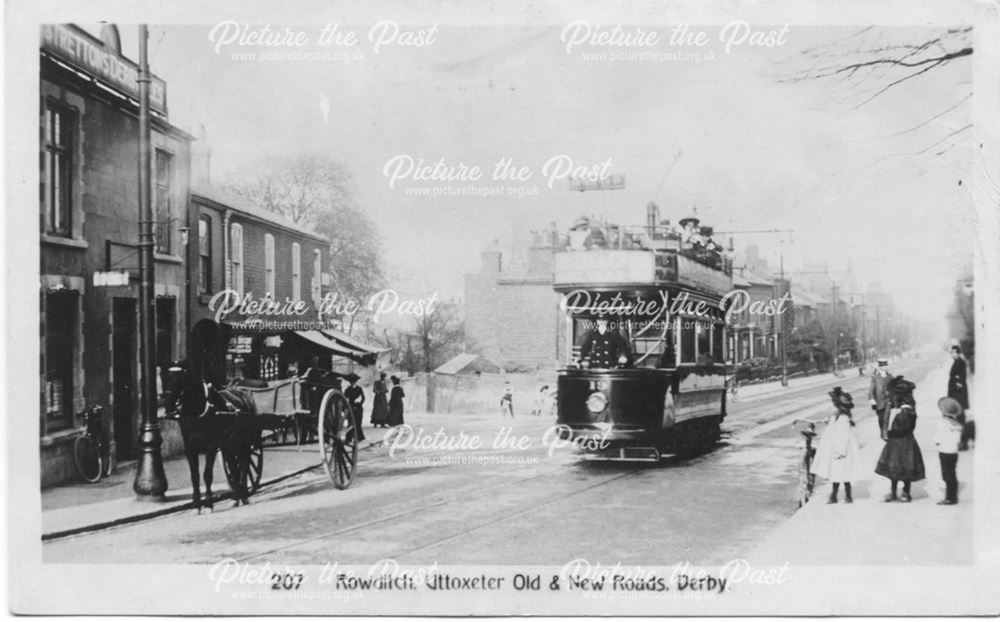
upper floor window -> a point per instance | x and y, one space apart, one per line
317 269
296 272
162 208
56 169
236 257
269 265
204 254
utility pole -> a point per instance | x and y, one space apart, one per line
836 330
784 352
150 480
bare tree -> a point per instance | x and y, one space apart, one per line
314 191
870 62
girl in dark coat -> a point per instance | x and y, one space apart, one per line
901 460
356 398
380 408
396 403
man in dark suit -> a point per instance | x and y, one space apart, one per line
958 390
604 348
878 394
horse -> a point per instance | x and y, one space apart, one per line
195 405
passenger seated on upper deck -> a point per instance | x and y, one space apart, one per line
690 233
579 233
603 348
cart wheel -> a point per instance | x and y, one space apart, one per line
338 439
244 467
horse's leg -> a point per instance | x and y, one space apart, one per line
191 453
209 473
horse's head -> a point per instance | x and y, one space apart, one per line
184 394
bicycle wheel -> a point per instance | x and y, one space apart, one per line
88 459
110 462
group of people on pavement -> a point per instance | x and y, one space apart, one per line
386 412
901 461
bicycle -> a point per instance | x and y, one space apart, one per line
806 479
91 450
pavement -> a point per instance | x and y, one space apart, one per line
872 531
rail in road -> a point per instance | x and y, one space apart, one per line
440 509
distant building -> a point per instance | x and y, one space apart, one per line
512 318
466 364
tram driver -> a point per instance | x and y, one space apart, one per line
603 348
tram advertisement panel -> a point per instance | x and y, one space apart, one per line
523 308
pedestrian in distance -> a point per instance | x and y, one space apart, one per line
507 401
380 404
837 452
356 398
958 390
901 460
878 393
541 401
396 403
947 437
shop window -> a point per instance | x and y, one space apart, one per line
162 208
60 355
204 255
56 169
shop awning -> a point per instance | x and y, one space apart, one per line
319 339
350 342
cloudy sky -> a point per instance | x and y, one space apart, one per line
757 152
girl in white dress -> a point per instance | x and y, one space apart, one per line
838 447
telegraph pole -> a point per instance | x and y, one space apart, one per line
150 480
784 352
836 331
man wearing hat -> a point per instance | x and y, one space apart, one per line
947 437
356 398
604 348
878 393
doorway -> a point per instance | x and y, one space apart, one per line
123 353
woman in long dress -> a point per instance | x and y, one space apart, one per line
380 405
396 403
901 460
356 398
838 448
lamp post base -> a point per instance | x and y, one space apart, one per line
150 480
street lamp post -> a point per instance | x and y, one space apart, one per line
150 480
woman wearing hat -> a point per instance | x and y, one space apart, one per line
396 403
380 406
901 460
356 398
947 437
838 449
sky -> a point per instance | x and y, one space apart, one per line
756 152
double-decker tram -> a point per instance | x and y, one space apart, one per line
645 339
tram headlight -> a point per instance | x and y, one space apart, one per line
597 402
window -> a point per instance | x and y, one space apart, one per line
718 341
236 258
269 265
204 254
686 326
317 276
703 331
56 166
162 209
296 272
60 354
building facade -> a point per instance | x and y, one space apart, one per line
88 232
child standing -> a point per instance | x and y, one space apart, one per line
901 460
947 437
838 447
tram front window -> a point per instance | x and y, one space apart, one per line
603 346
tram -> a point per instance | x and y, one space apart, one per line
660 387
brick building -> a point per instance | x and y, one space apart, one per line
512 317
249 251
88 230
